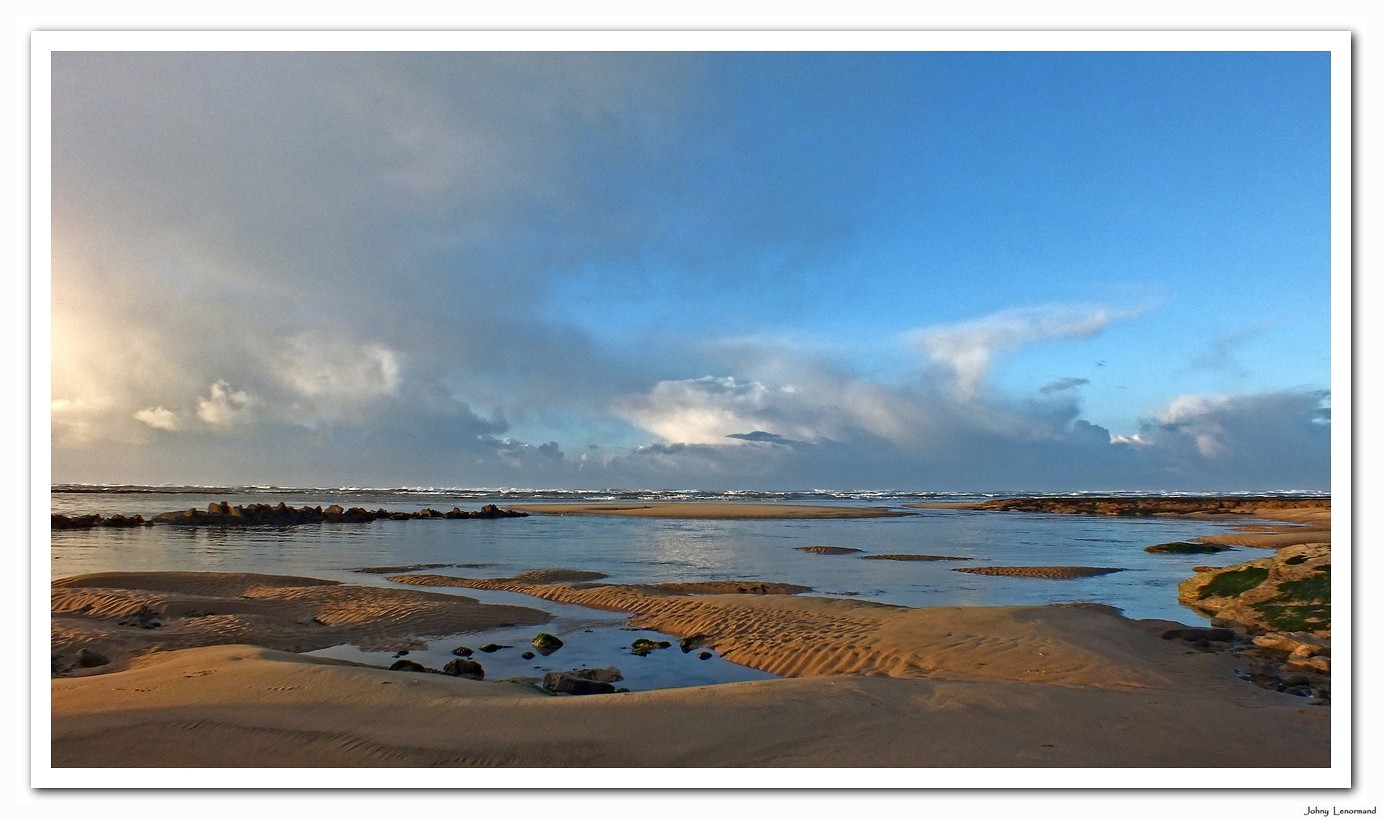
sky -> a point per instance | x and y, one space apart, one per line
945 271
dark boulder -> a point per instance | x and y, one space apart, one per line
694 642
567 684
463 668
407 666
88 658
607 674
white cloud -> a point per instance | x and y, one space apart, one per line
225 408
700 411
966 350
331 379
160 418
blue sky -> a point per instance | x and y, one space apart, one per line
915 270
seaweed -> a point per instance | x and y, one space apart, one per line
1185 548
1234 582
1301 605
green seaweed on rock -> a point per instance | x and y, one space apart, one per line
1301 605
1234 582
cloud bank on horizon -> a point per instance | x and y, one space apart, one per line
921 271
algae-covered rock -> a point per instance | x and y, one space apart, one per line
546 644
642 646
1288 591
1185 548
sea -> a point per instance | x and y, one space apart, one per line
649 550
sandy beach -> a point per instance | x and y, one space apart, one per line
218 684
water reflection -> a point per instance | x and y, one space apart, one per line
641 550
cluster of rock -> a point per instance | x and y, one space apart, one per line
1228 505
1294 663
87 522
458 668
222 514
571 682
1282 602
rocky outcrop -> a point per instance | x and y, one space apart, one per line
87 522
223 514
1186 548
1287 592
1207 505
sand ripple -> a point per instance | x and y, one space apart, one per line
1054 573
808 636
124 615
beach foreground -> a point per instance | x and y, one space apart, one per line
236 706
868 685
198 669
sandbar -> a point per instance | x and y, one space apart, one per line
714 510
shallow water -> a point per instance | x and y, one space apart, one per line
648 550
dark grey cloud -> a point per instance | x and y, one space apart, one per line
768 438
1062 384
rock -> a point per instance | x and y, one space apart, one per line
546 643
1297 645
705 656
1185 548
1288 592
528 656
642 646
693 642
407 666
567 684
608 674
494 647
87 658
1196 633
1315 663
462 651
462 668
